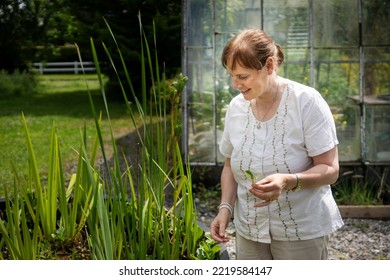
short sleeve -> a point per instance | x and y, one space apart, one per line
318 124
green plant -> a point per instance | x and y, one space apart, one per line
120 208
208 249
52 214
355 193
141 224
20 238
250 175
17 84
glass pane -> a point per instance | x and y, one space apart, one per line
347 119
296 65
376 71
224 90
377 130
201 132
337 74
199 23
377 103
287 21
232 16
332 28
201 105
376 18
222 76
200 67
337 79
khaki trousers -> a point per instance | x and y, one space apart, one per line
313 249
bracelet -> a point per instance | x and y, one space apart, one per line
298 185
227 206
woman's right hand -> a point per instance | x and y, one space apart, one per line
219 224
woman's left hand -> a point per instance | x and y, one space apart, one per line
269 188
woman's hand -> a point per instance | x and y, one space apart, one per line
219 225
270 187
324 171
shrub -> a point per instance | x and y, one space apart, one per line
17 84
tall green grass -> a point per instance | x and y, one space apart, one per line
138 209
61 100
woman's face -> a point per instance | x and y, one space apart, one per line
250 82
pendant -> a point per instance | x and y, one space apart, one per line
258 126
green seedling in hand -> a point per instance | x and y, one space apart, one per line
250 175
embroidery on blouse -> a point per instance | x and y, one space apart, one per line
284 149
249 165
254 128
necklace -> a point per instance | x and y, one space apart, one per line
258 125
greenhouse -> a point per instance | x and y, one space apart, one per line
340 47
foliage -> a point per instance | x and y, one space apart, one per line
154 231
39 30
362 186
208 250
355 193
121 209
24 25
17 84
164 16
43 214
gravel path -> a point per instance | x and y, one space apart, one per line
361 239
358 239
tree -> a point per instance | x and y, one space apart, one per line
28 28
12 34
122 16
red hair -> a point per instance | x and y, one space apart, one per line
251 49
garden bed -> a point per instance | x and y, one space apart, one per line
365 211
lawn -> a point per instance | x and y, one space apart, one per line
62 102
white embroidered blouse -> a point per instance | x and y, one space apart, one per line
302 127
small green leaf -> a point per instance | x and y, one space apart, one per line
250 175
